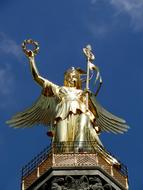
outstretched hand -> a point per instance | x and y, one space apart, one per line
30 53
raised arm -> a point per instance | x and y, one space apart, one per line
48 86
30 54
35 73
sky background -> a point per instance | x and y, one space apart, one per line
114 28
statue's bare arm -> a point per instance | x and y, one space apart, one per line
35 73
44 83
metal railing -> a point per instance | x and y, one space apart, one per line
34 163
68 148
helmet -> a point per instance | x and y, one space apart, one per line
72 77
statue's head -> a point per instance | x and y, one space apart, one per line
73 78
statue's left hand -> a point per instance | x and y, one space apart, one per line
86 91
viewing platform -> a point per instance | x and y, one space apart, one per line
64 159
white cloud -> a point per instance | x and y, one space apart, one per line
9 46
6 81
7 86
93 1
133 8
99 30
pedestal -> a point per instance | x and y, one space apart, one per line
71 170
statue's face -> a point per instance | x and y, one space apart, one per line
71 80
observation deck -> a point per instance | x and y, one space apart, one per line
67 158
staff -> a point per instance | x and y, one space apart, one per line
90 58
90 66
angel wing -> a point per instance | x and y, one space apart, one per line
41 112
105 120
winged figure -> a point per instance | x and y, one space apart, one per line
64 109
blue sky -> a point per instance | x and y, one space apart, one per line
114 28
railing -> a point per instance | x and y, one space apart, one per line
68 148
33 164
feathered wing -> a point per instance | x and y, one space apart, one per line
105 120
41 112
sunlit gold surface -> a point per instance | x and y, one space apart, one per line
88 53
65 109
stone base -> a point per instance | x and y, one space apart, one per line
76 179
93 170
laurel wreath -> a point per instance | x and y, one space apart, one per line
34 43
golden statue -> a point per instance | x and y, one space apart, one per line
73 114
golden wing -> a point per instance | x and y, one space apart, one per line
107 121
41 112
